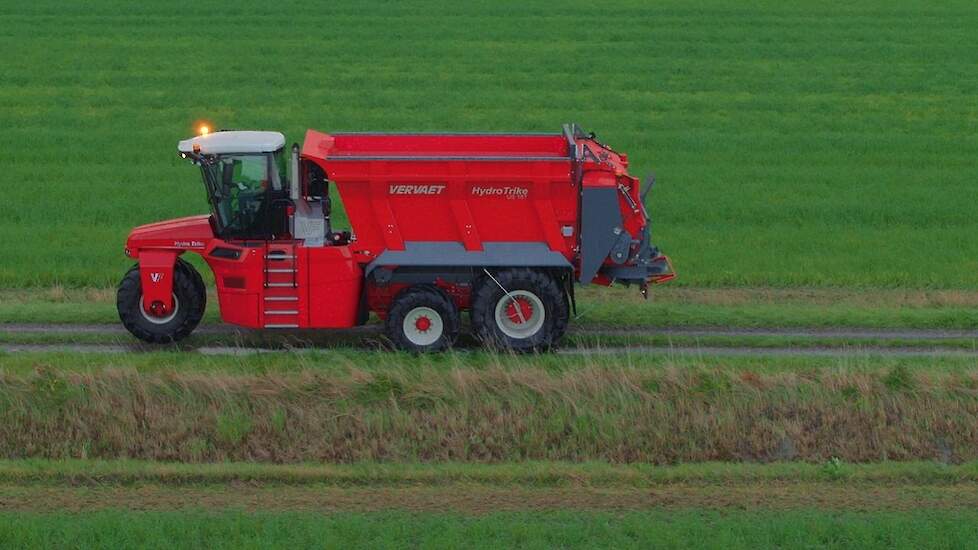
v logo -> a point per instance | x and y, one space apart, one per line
156 276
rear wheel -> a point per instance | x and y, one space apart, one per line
422 319
520 309
189 302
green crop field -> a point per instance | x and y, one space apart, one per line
794 144
815 168
686 529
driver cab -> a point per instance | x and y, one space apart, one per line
254 189
247 182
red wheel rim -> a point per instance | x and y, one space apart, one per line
423 324
521 315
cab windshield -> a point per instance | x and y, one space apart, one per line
247 193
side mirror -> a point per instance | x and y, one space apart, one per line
294 179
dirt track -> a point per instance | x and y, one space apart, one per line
291 341
846 333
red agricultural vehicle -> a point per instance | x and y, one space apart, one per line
501 225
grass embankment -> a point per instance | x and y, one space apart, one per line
349 407
669 306
567 529
860 175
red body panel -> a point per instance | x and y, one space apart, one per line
334 281
190 233
450 188
240 282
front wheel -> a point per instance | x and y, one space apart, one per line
189 301
422 319
520 309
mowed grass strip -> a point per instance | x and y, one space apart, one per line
734 529
795 145
627 409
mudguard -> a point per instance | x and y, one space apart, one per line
156 276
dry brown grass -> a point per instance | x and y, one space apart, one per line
626 414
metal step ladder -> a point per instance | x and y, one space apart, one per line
280 302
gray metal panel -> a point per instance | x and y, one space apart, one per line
636 273
600 218
447 254
308 223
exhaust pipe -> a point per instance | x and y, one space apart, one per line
294 174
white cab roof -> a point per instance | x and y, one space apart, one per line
234 142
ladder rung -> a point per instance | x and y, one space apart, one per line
280 271
280 285
281 326
281 298
282 312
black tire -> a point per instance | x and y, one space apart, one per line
194 275
191 295
531 289
413 305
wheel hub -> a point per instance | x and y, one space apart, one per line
423 324
157 309
519 310
158 313
520 314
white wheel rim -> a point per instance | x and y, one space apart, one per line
161 320
423 326
509 318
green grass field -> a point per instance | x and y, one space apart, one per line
794 145
815 168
